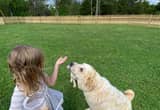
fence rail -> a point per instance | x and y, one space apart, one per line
112 19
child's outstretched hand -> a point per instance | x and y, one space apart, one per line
51 80
61 60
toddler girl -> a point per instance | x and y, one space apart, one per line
31 92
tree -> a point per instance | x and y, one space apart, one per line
4 7
63 6
147 8
134 7
108 7
38 8
157 8
74 8
86 8
99 7
125 6
18 8
67 7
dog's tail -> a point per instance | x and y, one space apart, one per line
130 94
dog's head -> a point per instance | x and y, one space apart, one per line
84 74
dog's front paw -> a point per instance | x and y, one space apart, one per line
87 109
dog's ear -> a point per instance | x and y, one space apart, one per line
130 94
90 82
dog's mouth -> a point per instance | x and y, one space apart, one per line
73 77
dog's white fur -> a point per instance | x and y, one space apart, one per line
100 94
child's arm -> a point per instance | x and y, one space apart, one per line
51 80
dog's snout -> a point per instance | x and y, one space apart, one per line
71 64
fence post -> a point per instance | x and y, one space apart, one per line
1 20
150 19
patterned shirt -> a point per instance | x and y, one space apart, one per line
17 99
45 96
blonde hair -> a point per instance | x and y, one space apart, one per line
26 64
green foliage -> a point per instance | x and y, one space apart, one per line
86 7
67 7
24 7
38 8
73 7
4 7
63 7
108 7
18 8
158 8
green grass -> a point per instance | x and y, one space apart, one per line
129 56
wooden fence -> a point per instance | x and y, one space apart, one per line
112 19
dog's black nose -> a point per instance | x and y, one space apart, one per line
71 64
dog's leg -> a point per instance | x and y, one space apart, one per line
87 109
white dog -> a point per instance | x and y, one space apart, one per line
100 94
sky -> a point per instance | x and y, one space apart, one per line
151 1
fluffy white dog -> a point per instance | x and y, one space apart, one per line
100 94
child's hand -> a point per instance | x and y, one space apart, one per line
61 60
51 80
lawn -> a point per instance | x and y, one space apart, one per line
129 56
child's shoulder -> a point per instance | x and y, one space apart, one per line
18 91
17 99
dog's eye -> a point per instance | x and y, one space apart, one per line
81 69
